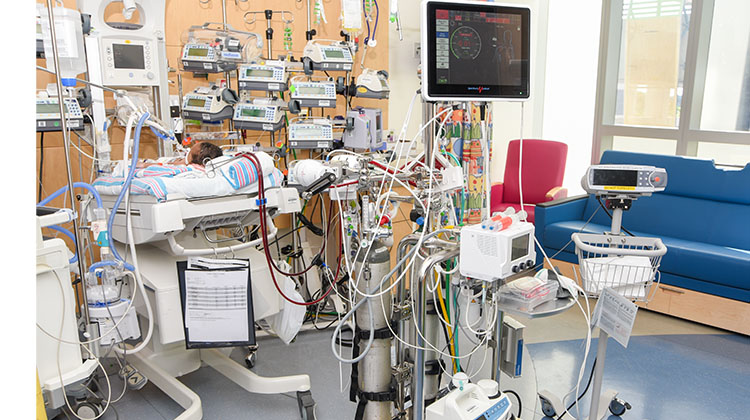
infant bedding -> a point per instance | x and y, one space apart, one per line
222 176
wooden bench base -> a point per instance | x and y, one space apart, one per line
703 308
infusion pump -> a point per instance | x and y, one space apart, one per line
268 75
314 93
624 179
261 117
331 55
48 114
209 104
311 133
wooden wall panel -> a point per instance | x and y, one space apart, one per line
181 14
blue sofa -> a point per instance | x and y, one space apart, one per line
703 217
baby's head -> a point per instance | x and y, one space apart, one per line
203 151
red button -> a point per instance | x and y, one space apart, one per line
656 179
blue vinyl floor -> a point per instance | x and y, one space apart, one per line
664 377
668 377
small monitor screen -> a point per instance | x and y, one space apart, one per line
478 51
259 73
199 103
334 54
198 52
307 131
128 56
49 108
519 247
252 112
615 177
311 90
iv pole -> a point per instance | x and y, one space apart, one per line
66 139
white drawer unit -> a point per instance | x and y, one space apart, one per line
48 114
268 76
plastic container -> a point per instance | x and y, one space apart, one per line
527 293
69 33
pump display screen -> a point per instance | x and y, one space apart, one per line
49 108
258 73
128 56
198 52
199 103
519 247
311 90
334 53
615 177
252 112
477 51
307 132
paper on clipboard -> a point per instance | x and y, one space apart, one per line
216 305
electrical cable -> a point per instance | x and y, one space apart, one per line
588 384
518 397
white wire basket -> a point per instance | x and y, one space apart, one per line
627 264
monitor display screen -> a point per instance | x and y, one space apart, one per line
334 53
198 103
477 51
307 132
258 73
253 112
616 177
311 90
49 108
198 52
128 56
519 247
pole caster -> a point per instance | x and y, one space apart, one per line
306 405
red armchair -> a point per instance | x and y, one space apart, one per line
543 170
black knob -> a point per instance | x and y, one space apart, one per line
529 263
522 265
515 269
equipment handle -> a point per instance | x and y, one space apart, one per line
181 251
659 248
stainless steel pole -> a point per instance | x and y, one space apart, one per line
66 140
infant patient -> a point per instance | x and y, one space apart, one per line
197 157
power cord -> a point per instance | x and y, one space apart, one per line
588 384
518 397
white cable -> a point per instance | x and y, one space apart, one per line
520 165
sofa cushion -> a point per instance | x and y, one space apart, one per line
711 263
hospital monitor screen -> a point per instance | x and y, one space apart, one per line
476 51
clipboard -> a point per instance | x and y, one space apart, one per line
212 303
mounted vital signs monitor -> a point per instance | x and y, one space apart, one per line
475 51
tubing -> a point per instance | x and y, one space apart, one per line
57 193
126 185
67 233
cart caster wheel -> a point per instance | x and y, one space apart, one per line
547 407
618 407
87 410
250 360
306 405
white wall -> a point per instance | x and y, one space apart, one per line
565 43
570 86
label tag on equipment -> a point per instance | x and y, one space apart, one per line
615 315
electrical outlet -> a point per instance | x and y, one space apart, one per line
417 49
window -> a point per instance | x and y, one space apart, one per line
674 78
